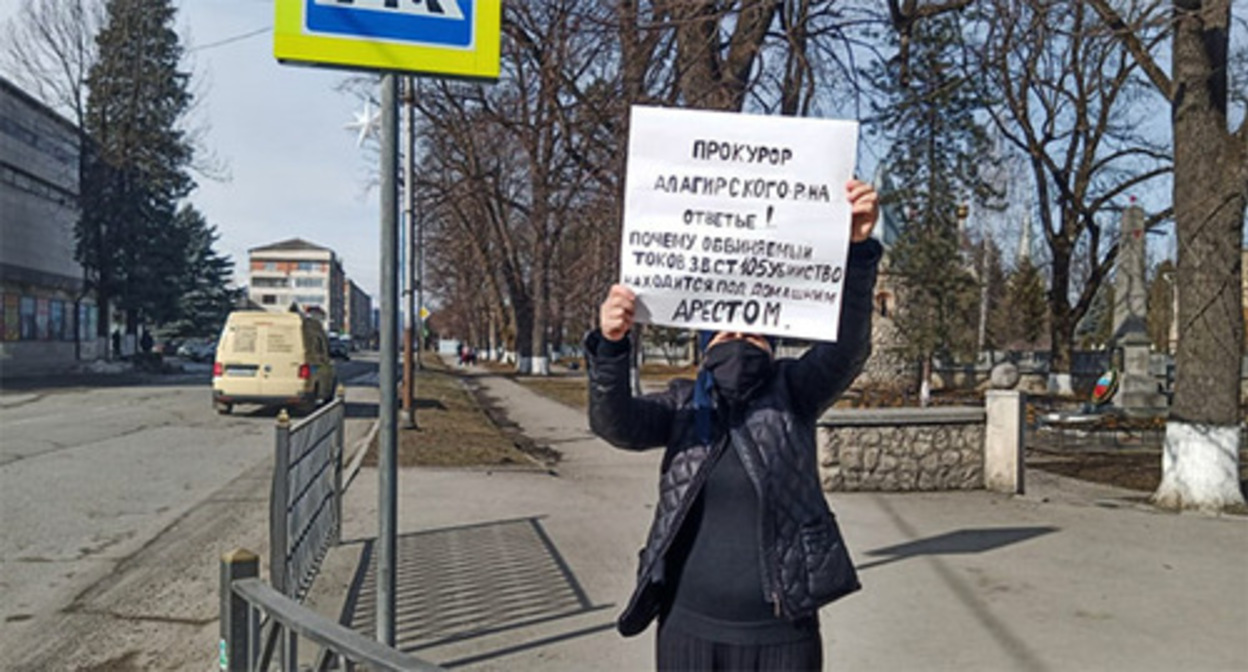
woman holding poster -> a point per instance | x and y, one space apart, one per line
743 550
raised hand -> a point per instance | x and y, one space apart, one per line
615 317
866 209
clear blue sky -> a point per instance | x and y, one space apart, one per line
295 171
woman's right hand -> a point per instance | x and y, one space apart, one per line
615 317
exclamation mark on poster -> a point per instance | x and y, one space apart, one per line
770 211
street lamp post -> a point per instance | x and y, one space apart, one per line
409 376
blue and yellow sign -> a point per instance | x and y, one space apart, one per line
457 38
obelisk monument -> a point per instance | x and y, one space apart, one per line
1137 389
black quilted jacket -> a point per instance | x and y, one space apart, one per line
775 438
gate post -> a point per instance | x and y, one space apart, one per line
235 647
279 548
1004 466
279 501
339 449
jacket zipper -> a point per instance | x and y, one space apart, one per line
770 583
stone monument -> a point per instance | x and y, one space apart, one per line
1137 389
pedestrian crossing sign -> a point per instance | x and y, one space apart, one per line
454 38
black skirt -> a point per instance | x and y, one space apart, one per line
677 650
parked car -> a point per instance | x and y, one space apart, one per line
198 349
340 349
272 358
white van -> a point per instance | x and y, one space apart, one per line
272 358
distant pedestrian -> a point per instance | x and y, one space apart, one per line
116 343
743 550
146 342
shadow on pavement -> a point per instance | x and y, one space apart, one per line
370 409
958 542
367 410
461 583
426 404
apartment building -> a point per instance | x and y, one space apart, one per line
359 317
298 273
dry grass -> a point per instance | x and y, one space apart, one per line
1130 469
453 429
1136 470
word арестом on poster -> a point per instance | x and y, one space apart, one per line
736 222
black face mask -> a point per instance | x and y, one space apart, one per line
739 369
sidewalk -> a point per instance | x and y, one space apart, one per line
523 570
19 390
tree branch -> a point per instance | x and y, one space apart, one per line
1132 41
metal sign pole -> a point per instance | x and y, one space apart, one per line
387 505
440 39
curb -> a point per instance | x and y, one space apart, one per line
357 456
14 400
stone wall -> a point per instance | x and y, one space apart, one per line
902 449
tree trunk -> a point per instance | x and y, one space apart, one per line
524 334
714 71
1061 326
539 362
1201 458
558 320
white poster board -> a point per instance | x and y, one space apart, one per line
736 222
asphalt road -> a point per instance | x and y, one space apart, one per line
117 502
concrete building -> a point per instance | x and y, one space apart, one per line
359 314
49 321
296 272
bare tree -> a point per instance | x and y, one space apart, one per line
1200 462
905 14
717 48
532 167
49 49
471 195
1069 101
541 151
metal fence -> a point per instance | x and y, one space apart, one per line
305 507
249 606
305 521
1093 433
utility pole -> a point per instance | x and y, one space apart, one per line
418 234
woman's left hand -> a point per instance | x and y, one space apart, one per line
866 209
